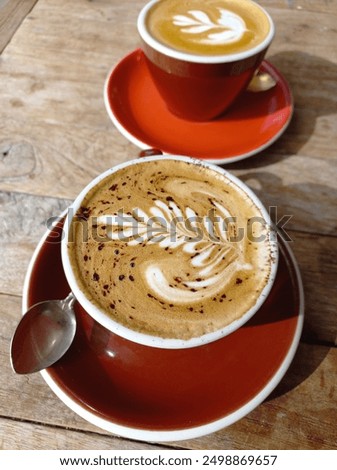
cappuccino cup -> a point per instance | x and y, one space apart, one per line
169 251
202 54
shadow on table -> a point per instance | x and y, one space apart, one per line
316 262
307 360
316 259
303 206
304 73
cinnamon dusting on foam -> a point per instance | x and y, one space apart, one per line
158 249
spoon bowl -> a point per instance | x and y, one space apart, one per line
43 335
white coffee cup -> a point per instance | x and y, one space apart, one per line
151 339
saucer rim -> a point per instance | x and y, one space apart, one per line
219 161
142 434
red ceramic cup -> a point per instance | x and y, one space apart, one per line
199 87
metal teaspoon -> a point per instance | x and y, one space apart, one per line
43 335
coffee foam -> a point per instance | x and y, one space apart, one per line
159 247
210 27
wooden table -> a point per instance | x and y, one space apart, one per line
55 136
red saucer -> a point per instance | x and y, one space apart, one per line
160 395
139 113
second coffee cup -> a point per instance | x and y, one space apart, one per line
202 54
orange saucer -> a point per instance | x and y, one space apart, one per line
140 114
156 394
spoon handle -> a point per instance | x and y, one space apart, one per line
68 302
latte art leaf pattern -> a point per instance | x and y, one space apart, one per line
229 27
170 247
207 242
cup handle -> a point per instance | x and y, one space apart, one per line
261 82
149 152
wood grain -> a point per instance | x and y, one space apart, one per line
327 6
12 13
18 239
55 136
56 160
18 435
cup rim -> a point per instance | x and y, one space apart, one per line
195 58
156 341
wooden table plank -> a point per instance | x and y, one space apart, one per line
34 160
317 262
327 6
12 13
56 160
297 187
16 435
31 215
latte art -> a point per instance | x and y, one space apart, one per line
170 248
208 26
231 27
214 258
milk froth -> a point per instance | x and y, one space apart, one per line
170 249
208 27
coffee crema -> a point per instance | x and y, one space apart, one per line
208 27
170 248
